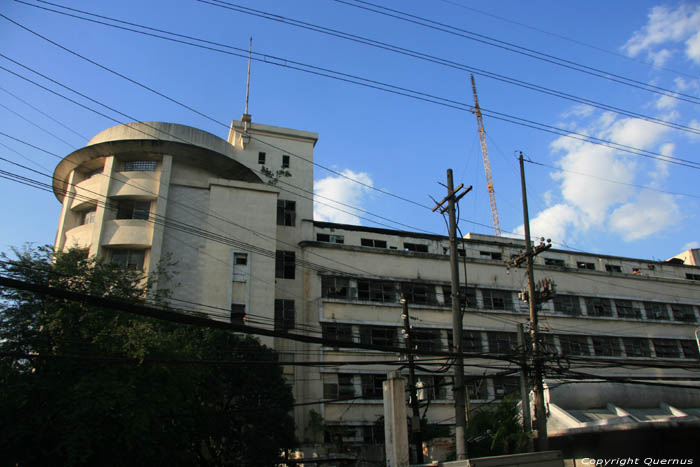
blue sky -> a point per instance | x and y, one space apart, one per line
395 143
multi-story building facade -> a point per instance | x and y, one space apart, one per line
236 219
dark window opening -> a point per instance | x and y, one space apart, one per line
335 287
284 315
465 294
330 238
373 243
337 331
584 265
426 340
471 341
261 158
505 385
567 304
376 291
636 347
666 348
502 342
131 209
598 307
656 311
613 268
372 386
497 299
419 294
286 212
129 260
606 346
420 248
574 345
692 277
285 162
284 264
690 349
683 313
491 254
554 262
625 309
378 335
237 313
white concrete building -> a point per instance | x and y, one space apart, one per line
236 218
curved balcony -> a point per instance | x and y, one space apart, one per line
127 232
88 191
137 184
80 237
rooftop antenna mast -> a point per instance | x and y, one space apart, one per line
487 164
246 116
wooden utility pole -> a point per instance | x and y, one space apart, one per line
524 391
459 389
540 413
415 419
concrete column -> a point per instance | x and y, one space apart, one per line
65 212
107 174
160 211
395 425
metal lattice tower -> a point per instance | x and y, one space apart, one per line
487 164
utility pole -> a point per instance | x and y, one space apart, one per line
540 413
415 420
524 392
459 390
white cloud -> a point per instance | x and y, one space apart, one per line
691 245
579 110
340 189
666 102
649 213
667 25
554 222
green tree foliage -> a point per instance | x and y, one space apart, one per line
495 430
113 388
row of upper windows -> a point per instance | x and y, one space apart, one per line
383 291
124 208
491 255
499 342
128 166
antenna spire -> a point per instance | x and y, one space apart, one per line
246 116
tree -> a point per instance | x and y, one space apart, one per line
85 386
496 429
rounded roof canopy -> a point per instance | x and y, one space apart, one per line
186 144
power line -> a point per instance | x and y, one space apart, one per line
511 47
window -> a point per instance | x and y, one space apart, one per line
491 254
285 162
284 315
335 287
585 265
427 340
502 342
337 331
666 348
373 243
690 349
598 306
286 212
613 268
139 166
692 277
625 309
419 294
574 345
415 247
343 389
284 264
376 291
468 294
129 260
372 386
132 209
567 304
88 217
261 158
471 341
431 388
478 390
497 299
237 313
504 385
330 238
378 335
554 262
460 251
606 346
655 310
683 313
636 346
